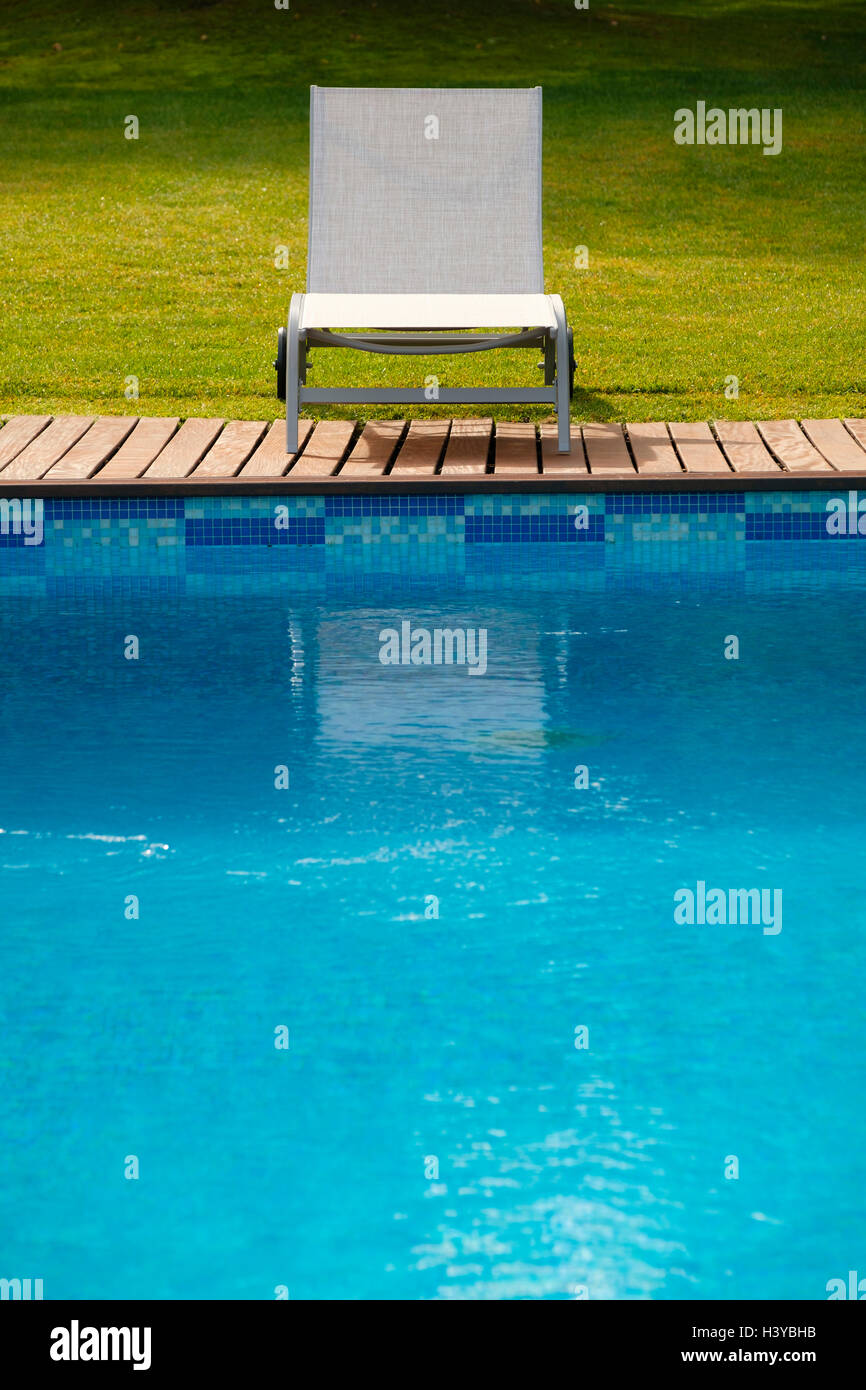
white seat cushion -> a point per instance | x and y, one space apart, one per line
427 311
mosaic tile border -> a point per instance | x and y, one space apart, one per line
243 541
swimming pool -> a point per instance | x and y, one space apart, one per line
434 906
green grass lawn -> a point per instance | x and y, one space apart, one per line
155 258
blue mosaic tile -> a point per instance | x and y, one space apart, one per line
673 503
98 586
234 544
761 526
255 530
95 508
415 505
18 541
22 559
531 529
236 560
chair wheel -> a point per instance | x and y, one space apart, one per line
572 365
280 364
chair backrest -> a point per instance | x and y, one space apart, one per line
425 190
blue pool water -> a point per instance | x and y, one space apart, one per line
415 1038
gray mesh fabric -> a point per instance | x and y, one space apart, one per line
425 190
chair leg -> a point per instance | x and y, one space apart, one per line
549 359
293 373
563 394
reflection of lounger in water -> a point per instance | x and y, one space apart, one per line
529 740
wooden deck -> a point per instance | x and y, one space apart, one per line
102 455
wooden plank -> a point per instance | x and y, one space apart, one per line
421 450
843 443
606 451
185 449
231 450
654 454
270 459
557 465
325 449
858 429
17 433
515 450
87 456
374 450
837 445
791 447
744 448
697 448
49 446
140 448
468 447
